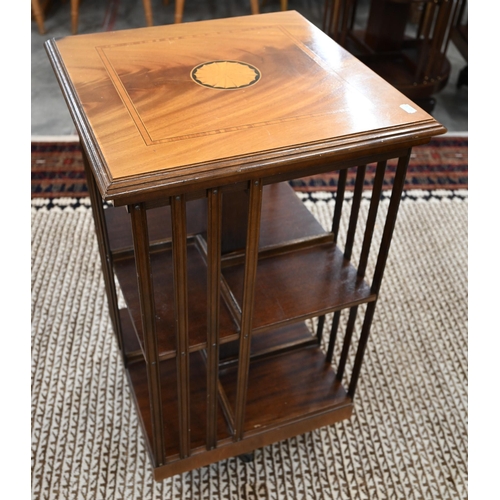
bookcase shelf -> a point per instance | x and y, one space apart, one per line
302 284
286 388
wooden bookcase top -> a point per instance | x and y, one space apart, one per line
182 106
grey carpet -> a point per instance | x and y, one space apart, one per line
407 438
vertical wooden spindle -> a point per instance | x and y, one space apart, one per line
390 223
251 260
319 330
372 217
347 342
333 336
339 202
213 307
337 214
179 258
356 203
147 304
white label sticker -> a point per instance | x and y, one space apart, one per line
408 108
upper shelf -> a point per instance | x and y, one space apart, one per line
298 285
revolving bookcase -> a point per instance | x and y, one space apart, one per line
214 268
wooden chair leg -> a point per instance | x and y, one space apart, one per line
148 12
74 16
284 4
38 13
179 9
254 4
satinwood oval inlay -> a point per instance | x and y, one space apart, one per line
225 75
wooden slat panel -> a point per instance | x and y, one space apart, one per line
103 242
383 253
372 217
161 264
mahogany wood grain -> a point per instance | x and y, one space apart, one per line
180 295
120 232
372 217
339 203
286 337
255 440
134 101
247 304
131 348
333 336
104 252
284 218
378 274
356 203
347 342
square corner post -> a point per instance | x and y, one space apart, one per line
104 251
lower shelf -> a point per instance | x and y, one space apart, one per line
292 386
198 395
288 394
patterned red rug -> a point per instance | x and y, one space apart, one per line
57 169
